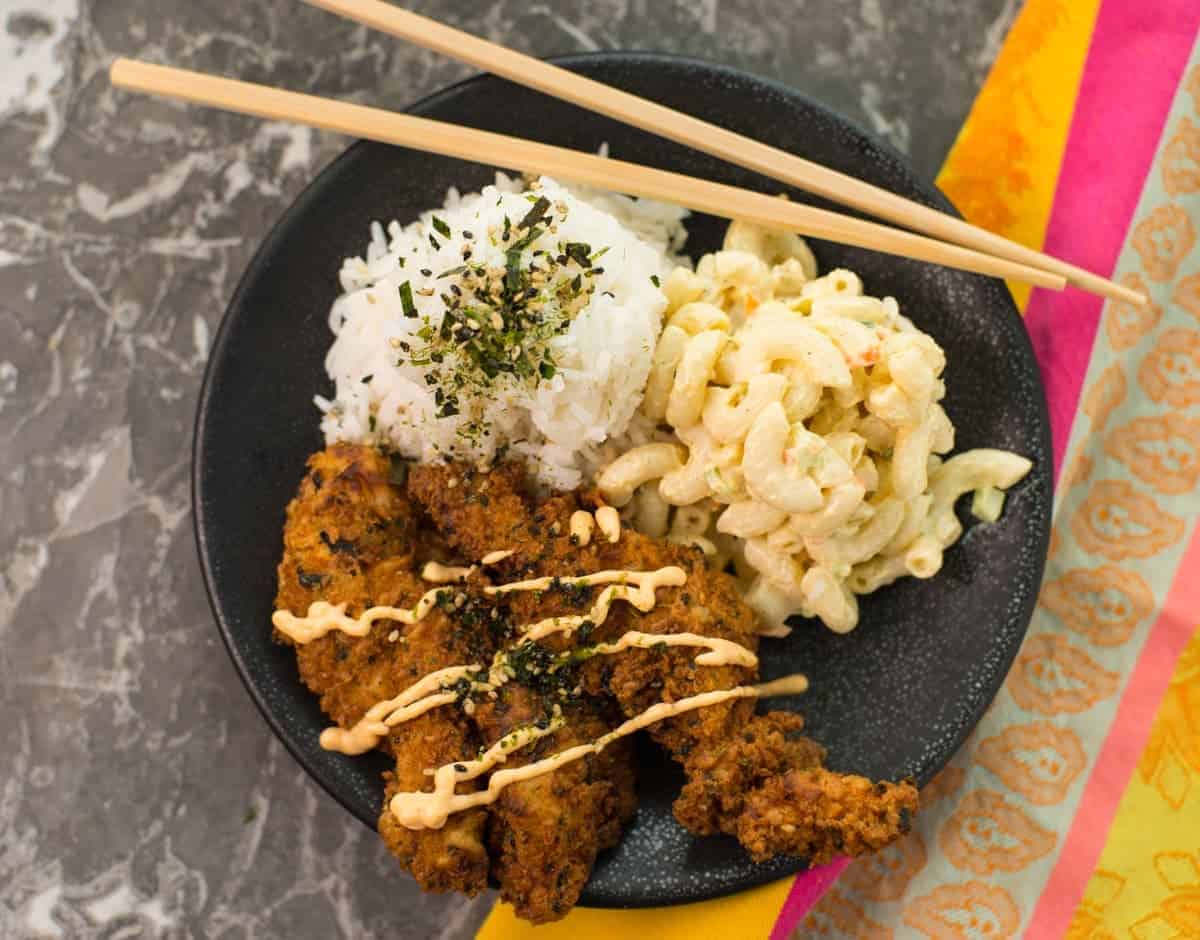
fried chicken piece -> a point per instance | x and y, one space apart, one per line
738 764
346 517
344 522
453 858
708 604
818 814
476 512
546 832
719 777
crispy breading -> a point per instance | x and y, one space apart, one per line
737 763
346 517
819 814
545 832
720 776
349 538
453 858
353 537
708 604
476 512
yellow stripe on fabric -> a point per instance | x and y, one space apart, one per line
749 915
1147 883
1003 169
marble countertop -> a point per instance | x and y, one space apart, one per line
141 794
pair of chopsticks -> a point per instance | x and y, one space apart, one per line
963 246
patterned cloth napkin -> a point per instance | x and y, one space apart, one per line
1074 808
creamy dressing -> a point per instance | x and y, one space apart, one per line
429 693
431 810
419 810
635 587
494 558
323 617
416 810
413 701
720 652
608 521
788 685
581 526
671 576
445 574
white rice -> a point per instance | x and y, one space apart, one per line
561 424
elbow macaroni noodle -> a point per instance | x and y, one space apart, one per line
811 438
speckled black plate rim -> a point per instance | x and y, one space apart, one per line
216 354
310 193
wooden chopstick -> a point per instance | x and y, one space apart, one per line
513 153
701 135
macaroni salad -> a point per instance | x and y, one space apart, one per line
808 442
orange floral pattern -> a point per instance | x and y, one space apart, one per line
1039 760
1052 677
987 834
1193 86
1187 294
962 911
1104 604
1118 521
1055 541
1080 472
836 915
885 876
1163 451
943 786
1162 240
1102 399
1181 160
1171 373
1125 323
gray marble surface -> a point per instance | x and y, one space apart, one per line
141 795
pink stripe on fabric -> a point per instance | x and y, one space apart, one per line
1122 749
807 890
1137 55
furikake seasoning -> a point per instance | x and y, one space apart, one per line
497 323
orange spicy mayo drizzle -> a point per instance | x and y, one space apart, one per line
635 587
417 810
445 574
430 810
417 699
429 693
323 617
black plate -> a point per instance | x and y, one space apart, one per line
895 697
